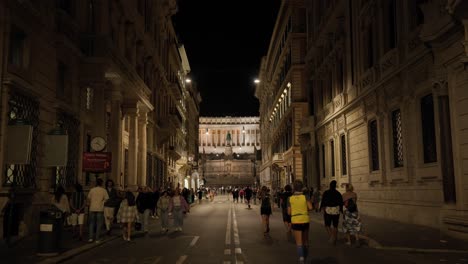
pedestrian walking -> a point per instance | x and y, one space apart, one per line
200 195
284 209
60 201
144 203
163 211
351 220
332 206
77 206
96 198
127 215
248 195
110 205
317 195
254 195
178 207
298 207
265 209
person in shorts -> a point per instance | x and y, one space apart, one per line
299 206
332 206
77 206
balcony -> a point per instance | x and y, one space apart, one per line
175 152
278 159
176 90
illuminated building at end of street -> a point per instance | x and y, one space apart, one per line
228 151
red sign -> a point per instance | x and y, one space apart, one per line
97 161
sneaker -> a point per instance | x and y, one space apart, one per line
90 240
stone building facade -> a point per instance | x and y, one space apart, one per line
229 147
389 88
282 93
87 69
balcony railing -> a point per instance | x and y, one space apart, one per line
277 158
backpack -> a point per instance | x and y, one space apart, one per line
351 205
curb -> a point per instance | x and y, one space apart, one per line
76 251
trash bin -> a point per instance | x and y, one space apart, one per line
50 228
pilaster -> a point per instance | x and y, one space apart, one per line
132 113
115 140
142 148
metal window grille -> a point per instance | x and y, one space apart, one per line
343 155
428 129
332 158
67 176
374 145
397 133
26 109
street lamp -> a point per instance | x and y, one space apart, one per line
257 81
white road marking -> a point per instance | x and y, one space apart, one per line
194 241
157 260
238 251
227 252
236 230
228 228
181 259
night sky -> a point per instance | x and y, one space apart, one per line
225 41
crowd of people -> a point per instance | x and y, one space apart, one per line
107 205
297 201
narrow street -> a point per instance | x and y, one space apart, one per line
226 232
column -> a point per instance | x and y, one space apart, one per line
142 148
99 110
132 114
115 140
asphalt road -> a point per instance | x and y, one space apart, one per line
225 232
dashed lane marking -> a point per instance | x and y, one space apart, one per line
194 241
228 228
181 259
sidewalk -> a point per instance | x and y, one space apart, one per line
25 250
393 235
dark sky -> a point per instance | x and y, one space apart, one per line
225 41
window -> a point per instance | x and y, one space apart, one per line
66 5
397 135
323 161
61 79
416 15
343 155
390 25
91 17
428 129
369 48
332 158
17 47
374 145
